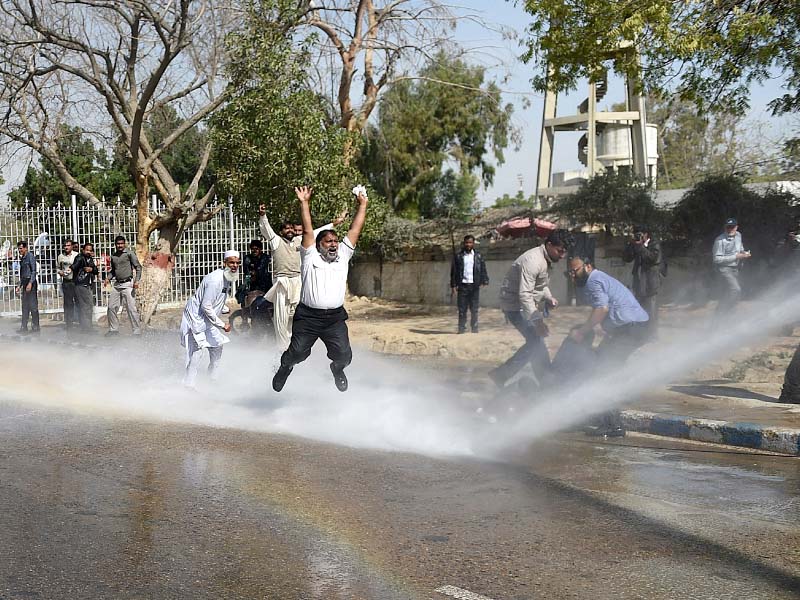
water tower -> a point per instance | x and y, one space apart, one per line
612 139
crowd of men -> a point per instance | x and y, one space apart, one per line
302 275
625 317
305 287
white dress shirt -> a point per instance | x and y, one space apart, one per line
469 267
324 283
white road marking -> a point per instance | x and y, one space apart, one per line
461 594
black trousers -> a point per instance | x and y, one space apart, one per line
534 351
468 297
620 342
30 305
312 324
790 394
650 306
85 299
70 301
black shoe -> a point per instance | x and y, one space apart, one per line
279 380
111 333
35 331
474 330
495 377
23 331
339 378
460 331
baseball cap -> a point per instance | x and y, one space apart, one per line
730 222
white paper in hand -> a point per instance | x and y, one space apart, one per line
359 189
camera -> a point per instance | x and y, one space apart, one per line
638 236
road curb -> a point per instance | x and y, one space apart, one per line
749 435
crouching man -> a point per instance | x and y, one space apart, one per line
622 320
201 326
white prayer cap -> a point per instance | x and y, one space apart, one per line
231 254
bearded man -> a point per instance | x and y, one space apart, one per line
321 313
201 326
285 291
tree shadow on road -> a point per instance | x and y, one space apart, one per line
649 533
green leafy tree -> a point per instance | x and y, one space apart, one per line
452 196
790 159
615 200
693 145
447 115
763 218
275 134
712 52
89 165
518 199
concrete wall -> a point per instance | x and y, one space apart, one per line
423 275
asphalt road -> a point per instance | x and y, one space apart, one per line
116 508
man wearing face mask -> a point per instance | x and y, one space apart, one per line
285 291
201 326
321 313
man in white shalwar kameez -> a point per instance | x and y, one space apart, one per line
201 326
285 291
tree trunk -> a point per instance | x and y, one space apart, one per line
157 270
157 264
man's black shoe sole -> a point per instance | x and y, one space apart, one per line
279 380
340 379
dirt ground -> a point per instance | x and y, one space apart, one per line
429 333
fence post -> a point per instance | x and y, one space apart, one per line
74 214
231 236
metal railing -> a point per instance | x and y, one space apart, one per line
46 227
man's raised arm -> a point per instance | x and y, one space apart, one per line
303 194
358 221
273 241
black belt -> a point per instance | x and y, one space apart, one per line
320 311
123 280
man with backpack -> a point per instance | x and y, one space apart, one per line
126 271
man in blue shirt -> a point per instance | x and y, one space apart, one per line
28 288
614 309
619 316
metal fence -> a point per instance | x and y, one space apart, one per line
46 227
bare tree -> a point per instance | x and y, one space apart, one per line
109 64
370 40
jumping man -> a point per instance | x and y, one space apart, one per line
321 313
